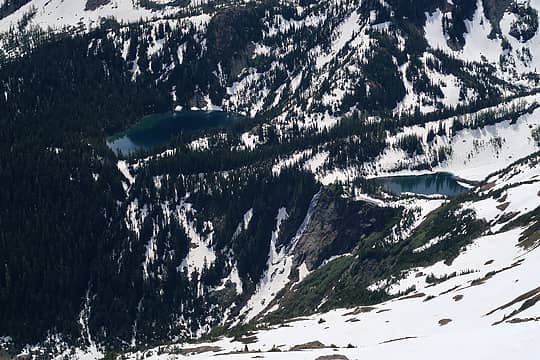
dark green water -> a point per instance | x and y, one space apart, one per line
430 184
159 129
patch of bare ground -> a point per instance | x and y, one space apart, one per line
520 298
399 339
529 299
413 296
429 297
489 262
503 206
458 298
489 275
449 290
288 321
360 310
507 217
312 345
443 322
250 339
530 239
382 310
198 350
352 320
520 320
332 357
488 186
94 4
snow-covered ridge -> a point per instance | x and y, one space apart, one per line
75 14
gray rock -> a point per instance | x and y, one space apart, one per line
332 357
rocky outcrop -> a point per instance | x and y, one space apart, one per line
229 41
337 225
494 11
230 32
92 5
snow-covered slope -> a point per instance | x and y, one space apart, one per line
475 152
484 302
75 14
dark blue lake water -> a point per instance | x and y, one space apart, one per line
430 184
159 129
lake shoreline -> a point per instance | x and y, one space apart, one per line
432 183
404 173
159 129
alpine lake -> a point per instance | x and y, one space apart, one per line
159 129
428 184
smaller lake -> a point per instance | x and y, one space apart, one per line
430 184
159 129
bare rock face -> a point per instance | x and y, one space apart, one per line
494 11
332 357
231 30
308 346
337 225
92 5
230 36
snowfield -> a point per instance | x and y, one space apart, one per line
417 327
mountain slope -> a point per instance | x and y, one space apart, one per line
277 216
485 293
